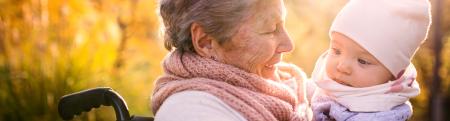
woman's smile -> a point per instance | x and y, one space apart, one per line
275 60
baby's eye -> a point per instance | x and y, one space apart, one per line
336 51
364 62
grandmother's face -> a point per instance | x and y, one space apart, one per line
260 41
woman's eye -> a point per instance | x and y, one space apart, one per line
273 30
268 32
362 61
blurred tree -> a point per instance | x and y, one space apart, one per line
52 48
435 102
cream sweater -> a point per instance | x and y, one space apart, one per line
196 106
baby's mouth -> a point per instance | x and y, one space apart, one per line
341 82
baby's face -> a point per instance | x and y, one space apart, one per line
351 65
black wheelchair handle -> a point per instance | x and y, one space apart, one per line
83 101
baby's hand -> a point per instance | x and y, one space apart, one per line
288 71
293 76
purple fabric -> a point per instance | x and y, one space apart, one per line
325 109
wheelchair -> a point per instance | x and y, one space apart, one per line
74 104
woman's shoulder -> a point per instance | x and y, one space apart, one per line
198 106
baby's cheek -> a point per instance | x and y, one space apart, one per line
370 79
330 66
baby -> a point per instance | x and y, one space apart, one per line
367 72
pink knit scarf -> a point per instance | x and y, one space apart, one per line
257 99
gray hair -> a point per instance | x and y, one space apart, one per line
218 18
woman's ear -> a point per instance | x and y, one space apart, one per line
201 41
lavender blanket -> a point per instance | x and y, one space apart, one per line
325 109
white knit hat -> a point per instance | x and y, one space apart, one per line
391 30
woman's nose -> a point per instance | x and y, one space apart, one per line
286 44
344 66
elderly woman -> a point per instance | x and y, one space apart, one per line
224 65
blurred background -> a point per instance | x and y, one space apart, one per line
49 48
